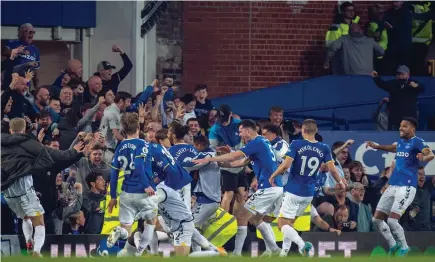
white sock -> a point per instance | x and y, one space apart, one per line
123 234
154 245
293 235
27 229
145 238
242 231
39 238
127 251
385 231
268 236
196 247
286 243
270 229
398 232
201 240
210 253
136 239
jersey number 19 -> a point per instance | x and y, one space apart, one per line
312 163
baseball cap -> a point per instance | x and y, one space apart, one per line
224 112
105 65
403 69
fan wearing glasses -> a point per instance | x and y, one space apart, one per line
25 51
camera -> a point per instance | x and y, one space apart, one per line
345 224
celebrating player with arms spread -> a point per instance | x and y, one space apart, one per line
410 152
267 198
307 155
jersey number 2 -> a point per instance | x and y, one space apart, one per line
124 163
312 163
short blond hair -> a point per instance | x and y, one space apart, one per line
17 125
310 126
130 123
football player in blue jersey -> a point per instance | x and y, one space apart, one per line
138 198
173 209
410 151
305 156
267 198
279 145
120 249
183 153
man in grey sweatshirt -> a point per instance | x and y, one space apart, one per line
355 51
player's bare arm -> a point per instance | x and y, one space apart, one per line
230 157
239 163
335 174
426 155
388 148
286 164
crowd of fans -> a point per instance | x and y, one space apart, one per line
398 33
85 114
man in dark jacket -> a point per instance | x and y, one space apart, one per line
104 68
22 156
403 96
94 203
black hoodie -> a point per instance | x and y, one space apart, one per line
22 155
94 212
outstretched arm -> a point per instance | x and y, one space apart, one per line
388 148
223 158
238 163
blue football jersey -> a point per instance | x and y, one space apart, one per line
307 157
103 250
167 169
30 53
263 161
133 158
407 164
183 153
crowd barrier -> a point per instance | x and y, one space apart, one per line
325 245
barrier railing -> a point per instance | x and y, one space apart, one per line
334 120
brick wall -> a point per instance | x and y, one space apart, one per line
242 46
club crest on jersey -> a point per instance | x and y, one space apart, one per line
160 163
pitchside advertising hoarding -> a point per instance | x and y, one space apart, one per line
325 245
373 160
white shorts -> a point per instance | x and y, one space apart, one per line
265 201
186 195
396 199
183 235
136 206
26 205
172 208
202 212
293 206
